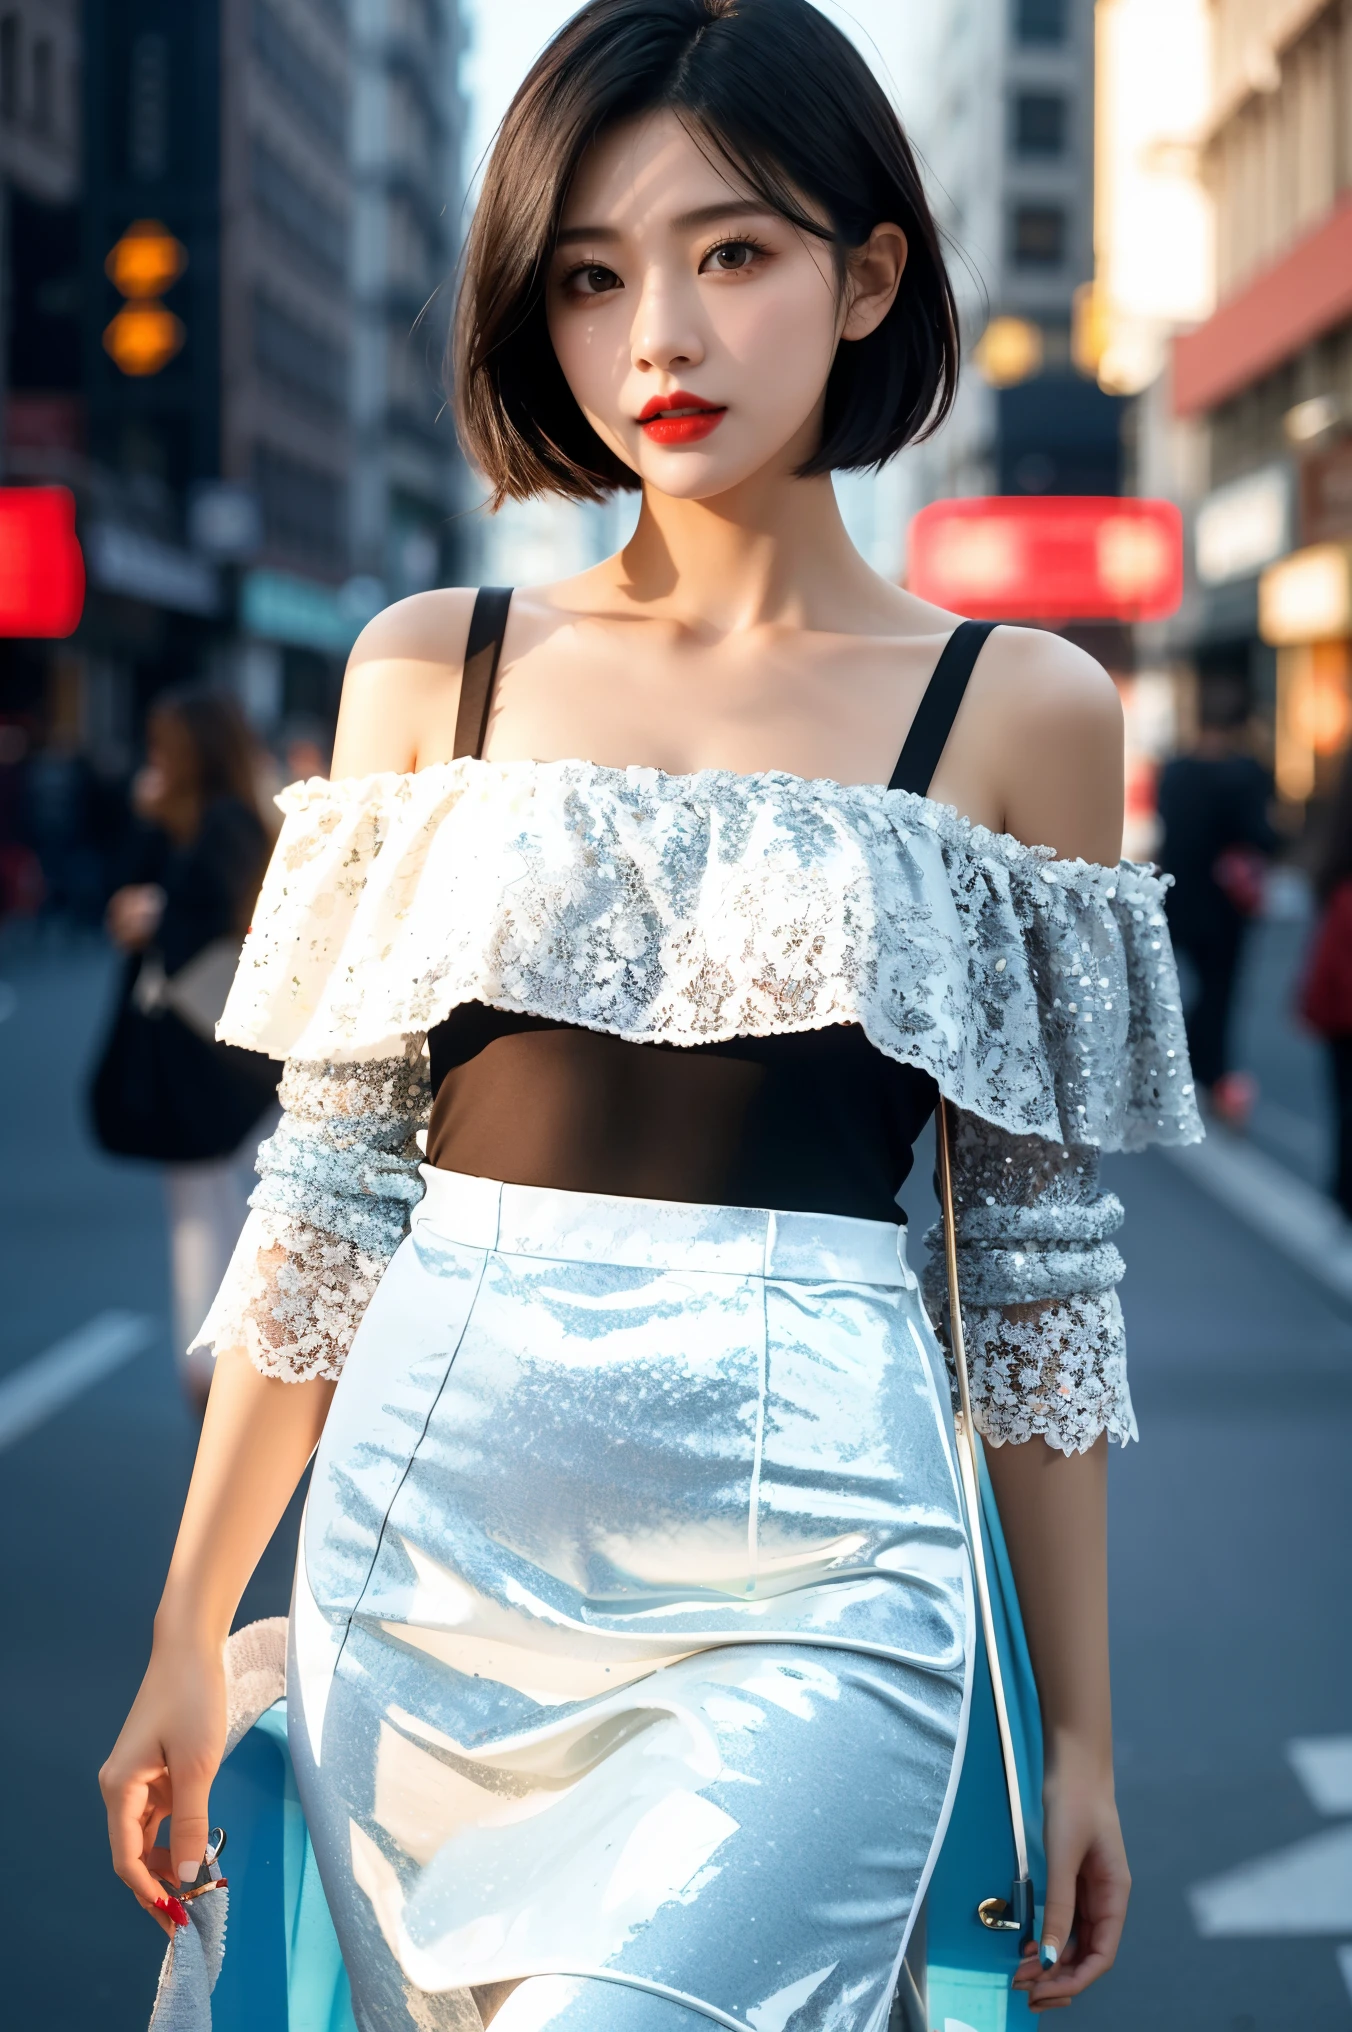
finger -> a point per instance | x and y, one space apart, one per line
126 1840
1068 1983
190 1825
1058 1917
1028 1970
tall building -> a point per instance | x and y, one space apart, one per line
1007 134
272 210
217 226
1265 382
408 120
41 414
39 231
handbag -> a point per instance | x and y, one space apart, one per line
981 1905
163 1087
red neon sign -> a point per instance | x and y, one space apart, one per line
42 577
1049 557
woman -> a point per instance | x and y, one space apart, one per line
165 1089
633 1618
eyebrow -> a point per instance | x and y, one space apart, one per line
685 222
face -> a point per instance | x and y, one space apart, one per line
695 328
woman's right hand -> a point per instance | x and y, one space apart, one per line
162 1764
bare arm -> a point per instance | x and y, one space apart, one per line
257 1436
1062 786
403 683
347 1138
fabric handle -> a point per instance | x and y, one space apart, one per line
1020 1908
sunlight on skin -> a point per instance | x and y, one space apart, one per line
738 629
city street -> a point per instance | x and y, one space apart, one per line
1231 1633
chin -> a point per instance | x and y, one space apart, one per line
698 475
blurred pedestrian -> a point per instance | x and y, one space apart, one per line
164 1087
1326 991
1217 842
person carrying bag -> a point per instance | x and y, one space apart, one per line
163 1088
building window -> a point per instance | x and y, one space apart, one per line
1039 123
1041 21
315 97
304 511
148 108
310 368
317 234
9 67
43 82
1039 236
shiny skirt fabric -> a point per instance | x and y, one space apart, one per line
633 1620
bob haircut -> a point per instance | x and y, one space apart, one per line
786 102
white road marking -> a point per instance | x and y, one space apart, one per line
1304 1889
43 1386
1323 1765
1302 1223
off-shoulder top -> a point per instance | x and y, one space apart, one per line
715 909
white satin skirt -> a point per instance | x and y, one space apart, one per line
633 1620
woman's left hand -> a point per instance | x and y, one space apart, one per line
1088 1884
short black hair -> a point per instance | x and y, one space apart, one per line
788 102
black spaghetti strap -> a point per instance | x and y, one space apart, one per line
483 649
938 708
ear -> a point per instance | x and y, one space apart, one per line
872 277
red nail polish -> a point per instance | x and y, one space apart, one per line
178 1913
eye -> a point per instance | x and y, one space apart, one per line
732 257
593 278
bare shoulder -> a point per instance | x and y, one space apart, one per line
403 675
1053 732
1040 681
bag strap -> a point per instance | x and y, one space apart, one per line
938 708
483 652
1017 1913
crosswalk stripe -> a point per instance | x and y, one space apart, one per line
43 1386
1305 1888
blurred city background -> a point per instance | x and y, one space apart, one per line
228 231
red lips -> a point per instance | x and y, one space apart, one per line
680 418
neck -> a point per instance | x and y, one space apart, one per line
772 551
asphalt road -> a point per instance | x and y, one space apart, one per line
1232 1637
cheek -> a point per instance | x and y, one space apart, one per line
780 337
592 348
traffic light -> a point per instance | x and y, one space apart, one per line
144 336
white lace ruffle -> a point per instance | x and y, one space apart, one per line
1046 1354
1058 1372
335 1188
1040 994
292 1298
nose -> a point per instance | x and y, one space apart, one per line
666 330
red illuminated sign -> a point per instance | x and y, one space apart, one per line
42 578
1049 557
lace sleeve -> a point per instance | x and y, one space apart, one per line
1037 1271
335 1187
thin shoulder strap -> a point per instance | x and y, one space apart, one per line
938 708
483 650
